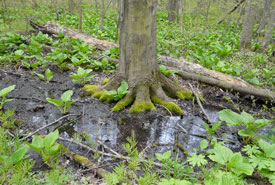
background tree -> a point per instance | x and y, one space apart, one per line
138 62
248 23
268 34
173 7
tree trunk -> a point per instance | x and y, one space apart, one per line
71 6
80 16
34 4
248 23
173 10
265 17
102 14
268 35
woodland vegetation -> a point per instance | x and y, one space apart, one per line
70 68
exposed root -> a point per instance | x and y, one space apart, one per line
143 95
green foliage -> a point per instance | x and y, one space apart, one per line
3 93
120 92
165 71
173 182
7 119
47 77
82 75
64 103
47 148
262 157
251 126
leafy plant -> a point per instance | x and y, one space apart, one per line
3 93
234 162
262 158
82 75
165 71
251 126
64 103
48 75
212 129
120 92
46 147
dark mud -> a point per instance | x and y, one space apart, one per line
155 131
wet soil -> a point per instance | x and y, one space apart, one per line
155 131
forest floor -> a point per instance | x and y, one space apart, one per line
156 131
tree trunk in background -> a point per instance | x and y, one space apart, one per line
268 35
207 10
101 14
3 11
56 9
265 17
34 4
80 16
248 23
173 10
71 6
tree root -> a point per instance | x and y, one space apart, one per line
143 95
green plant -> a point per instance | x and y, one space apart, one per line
172 181
47 148
120 92
64 103
82 75
245 122
233 162
48 75
262 157
165 71
3 93
212 129
7 119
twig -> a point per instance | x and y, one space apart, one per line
166 109
199 102
48 125
117 155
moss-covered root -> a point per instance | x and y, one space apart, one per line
142 101
159 97
174 90
124 102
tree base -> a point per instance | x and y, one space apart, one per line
143 95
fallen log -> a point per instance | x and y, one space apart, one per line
185 69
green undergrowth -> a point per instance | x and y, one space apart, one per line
215 46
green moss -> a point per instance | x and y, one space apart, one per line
84 161
90 88
106 80
169 105
140 106
102 96
186 95
123 103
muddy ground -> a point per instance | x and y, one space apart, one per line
155 131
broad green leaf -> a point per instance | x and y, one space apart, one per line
268 148
40 76
50 139
162 68
244 168
57 103
203 144
247 118
216 125
90 77
80 71
49 74
123 88
54 149
221 154
230 117
111 93
172 181
6 90
234 160
248 132
3 158
66 96
167 155
19 154
8 100
68 104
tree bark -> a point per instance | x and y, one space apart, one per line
268 34
248 23
185 69
267 14
173 10
80 16
71 6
